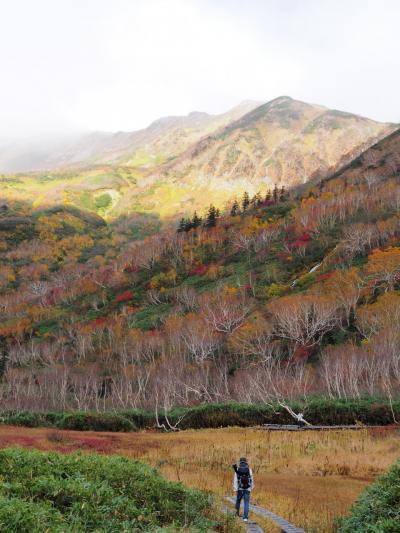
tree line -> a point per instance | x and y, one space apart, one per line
246 203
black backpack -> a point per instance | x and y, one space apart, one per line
243 475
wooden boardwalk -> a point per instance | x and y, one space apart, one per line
285 526
251 526
292 427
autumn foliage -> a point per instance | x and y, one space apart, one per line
278 298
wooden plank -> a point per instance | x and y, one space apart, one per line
286 526
251 526
289 427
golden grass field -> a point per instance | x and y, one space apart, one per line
306 477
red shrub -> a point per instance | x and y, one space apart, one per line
99 322
305 237
19 440
131 269
323 277
64 449
198 271
53 296
124 296
301 240
97 445
302 353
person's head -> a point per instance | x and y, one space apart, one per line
243 460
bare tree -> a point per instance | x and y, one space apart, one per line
199 338
276 381
226 311
304 319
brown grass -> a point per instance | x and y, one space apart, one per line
306 477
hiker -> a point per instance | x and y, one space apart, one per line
243 485
300 420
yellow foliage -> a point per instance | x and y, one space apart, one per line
37 312
7 275
214 271
244 339
47 227
174 322
87 286
172 275
34 271
99 260
230 290
15 328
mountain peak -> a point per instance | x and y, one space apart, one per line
283 98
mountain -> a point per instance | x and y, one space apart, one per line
284 141
179 164
163 139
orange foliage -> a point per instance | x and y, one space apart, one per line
383 267
373 318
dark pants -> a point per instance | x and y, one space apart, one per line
300 423
245 494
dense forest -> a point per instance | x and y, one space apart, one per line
283 295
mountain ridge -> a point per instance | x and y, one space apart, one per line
179 164
290 117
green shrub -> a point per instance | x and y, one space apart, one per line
102 494
103 201
318 410
21 515
31 419
151 317
139 417
24 418
305 280
378 508
276 289
96 422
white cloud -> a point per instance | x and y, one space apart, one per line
118 64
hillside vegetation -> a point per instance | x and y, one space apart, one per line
281 295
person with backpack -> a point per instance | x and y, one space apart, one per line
300 420
243 484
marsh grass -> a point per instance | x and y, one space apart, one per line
306 477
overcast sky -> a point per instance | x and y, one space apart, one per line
78 65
